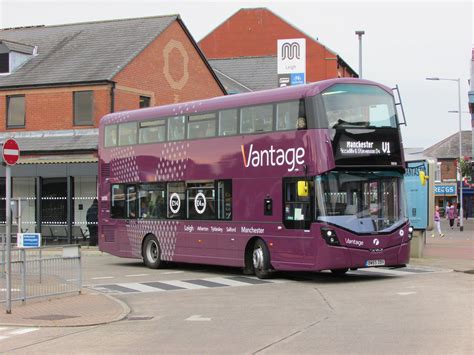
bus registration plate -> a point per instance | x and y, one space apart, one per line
378 262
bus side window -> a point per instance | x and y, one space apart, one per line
224 200
110 135
117 201
287 115
176 127
256 119
127 133
228 122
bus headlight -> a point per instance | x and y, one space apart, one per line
410 232
329 235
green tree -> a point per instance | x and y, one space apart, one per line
465 165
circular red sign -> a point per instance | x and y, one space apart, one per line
11 151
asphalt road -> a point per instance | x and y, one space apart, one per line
211 310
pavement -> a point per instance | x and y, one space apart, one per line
455 251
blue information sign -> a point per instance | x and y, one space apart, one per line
29 240
297 78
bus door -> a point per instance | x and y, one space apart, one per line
298 207
124 212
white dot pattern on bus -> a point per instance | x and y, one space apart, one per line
173 161
123 164
171 167
164 231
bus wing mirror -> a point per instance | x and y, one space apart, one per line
303 189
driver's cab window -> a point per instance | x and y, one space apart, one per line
298 203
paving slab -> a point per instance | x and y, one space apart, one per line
74 310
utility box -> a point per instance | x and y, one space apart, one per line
419 187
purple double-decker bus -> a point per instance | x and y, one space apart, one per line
304 178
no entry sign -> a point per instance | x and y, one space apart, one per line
11 151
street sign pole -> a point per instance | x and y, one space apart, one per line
8 232
10 155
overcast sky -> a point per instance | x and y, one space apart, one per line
404 42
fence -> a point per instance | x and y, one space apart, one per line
41 272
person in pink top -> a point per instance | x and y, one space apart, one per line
437 220
451 214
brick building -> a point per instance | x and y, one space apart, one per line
56 82
446 153
243 51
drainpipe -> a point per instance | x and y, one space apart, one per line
112 97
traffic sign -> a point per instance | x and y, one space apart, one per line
28 240
11 151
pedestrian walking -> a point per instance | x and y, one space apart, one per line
91 218
451 214
437 220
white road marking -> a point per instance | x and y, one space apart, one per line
198 317
228 282
405 293
137 275
102 277
384 271
22 331
172 272
185 285
139 287
3 337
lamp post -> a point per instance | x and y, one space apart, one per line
461 215
360 33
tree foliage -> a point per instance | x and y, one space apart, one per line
465 165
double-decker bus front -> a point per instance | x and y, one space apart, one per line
359 205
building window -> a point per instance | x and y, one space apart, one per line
438 172
15 111
83 108
4 63
144 101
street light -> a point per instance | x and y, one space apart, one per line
461 226
360 33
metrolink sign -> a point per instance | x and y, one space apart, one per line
291 59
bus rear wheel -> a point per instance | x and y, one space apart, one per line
261 260
152 252
339 272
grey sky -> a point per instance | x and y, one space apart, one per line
405 42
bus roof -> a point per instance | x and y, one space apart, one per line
232 101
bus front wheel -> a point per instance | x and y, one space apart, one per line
152 252
261 260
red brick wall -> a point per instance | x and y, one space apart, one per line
254 32
448 169
186 77
52 109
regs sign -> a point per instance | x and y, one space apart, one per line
448 190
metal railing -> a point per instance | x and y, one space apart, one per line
41 272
